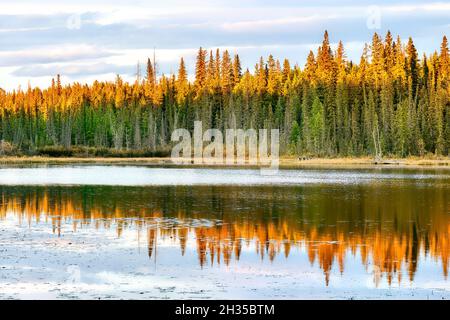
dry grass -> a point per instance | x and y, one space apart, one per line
410 161
284 161
69 160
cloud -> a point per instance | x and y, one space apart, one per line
23 29
258 25
430 7
72 70
52 54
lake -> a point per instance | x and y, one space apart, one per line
137 232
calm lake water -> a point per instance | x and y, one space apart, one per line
145 232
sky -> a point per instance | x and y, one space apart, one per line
84 40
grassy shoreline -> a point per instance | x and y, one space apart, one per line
284 161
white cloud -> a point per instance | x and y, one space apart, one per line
433 6
4 30
71 69
51 54
262 25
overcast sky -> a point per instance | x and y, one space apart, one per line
96 39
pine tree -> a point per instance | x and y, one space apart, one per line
388 49
261 76
227 76
341 62
200 72
286 71
150 76
412 66
182 85
444 63
310 68
378 62
399 72
210 74
326 67
317 125
273 77
237 71
217 71
294 136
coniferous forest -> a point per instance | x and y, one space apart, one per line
395 101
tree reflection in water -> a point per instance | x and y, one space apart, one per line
391 227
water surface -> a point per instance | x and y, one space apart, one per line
140 232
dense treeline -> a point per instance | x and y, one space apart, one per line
394 102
